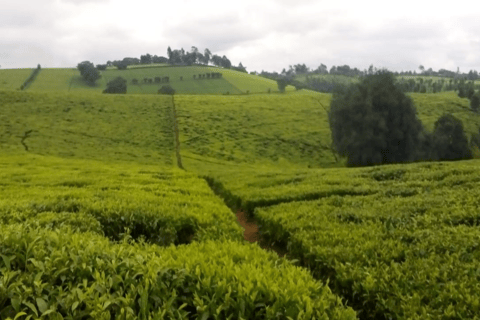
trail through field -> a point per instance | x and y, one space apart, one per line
251 233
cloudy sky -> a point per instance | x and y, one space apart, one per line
262 34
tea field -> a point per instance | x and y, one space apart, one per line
396 242
290 130
94 126
12 79
86 239
96 220
181 78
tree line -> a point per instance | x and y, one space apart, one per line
178 57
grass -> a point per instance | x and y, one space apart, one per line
12 79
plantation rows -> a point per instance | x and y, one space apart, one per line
396 242
86 239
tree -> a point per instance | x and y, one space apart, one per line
166 90
374 122
322 69
88 72
475 102
217 60
207 54
282 83
169 54
117 85
225 62
146 59
450 141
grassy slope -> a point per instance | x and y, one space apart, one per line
12 79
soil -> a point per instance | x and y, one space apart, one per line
252 234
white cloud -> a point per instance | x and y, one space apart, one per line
268 35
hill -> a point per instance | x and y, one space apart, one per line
181 78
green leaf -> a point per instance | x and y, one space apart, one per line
42 305
75 305
18 315
15 304
32 307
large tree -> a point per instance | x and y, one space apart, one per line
374 122
88 72
207 54
449 139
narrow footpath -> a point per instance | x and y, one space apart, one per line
252 233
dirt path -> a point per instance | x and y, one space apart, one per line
252 234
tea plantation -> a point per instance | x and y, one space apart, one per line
98 222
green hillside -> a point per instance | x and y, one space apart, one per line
180 78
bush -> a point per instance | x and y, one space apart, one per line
374 122
117 85
450 141
166 90
101 66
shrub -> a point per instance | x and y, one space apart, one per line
117 85
166 90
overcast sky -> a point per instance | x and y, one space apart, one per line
262 34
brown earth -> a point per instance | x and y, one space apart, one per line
251 233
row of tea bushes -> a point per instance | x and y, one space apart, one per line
392 254
61 274
250 188
161 205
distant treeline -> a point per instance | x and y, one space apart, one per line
346 70
178 57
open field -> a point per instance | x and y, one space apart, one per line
12 79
